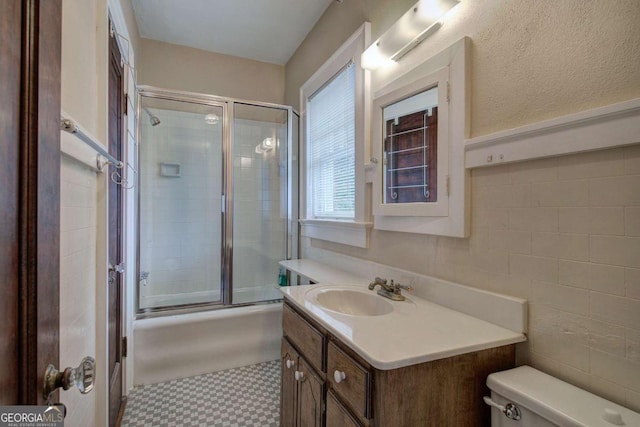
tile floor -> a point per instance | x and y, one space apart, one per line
243 397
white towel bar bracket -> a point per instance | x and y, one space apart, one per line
103 159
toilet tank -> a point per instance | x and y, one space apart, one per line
545 401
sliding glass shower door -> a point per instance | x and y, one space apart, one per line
180 194
215 200
260 143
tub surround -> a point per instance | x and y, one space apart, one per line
416 331
184 345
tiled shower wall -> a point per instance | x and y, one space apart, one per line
260 210
564 233
180 216
180 226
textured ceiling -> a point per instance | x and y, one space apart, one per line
264 30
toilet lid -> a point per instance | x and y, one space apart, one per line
557 401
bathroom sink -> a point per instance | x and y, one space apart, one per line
350 301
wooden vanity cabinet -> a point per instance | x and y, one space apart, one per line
441 393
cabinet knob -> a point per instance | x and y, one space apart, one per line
299 375
339 376
290 363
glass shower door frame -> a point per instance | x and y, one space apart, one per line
289 236
150 92
226 279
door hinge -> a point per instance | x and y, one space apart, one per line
448 91
125 349
448 185
126 104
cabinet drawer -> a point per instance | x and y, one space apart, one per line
309 340
355 385
337 415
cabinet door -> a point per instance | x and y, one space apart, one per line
288 367
310 395
337 415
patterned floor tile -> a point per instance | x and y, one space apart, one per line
240 397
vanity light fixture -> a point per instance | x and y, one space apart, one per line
418 23
211 119
267 144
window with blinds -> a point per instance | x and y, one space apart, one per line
331 147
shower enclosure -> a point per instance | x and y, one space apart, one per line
217 199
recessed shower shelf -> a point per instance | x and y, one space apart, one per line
170 170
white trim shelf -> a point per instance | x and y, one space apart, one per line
599 128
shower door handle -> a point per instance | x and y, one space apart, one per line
119 268
115 269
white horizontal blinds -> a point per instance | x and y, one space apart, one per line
331 146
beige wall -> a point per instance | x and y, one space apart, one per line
183 68
132 25
561 232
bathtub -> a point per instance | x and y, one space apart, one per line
185 345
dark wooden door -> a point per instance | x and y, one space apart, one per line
30 37
115 193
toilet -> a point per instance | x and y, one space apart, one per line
526 397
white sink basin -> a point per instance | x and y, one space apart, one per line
350 301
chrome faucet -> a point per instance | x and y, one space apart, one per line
392 291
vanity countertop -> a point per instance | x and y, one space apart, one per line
416 331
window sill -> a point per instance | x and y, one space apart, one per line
345 232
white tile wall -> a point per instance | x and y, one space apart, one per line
78 231
180 217
563 233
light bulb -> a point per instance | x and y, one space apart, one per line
211 119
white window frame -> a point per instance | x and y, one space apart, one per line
354 232
450 215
